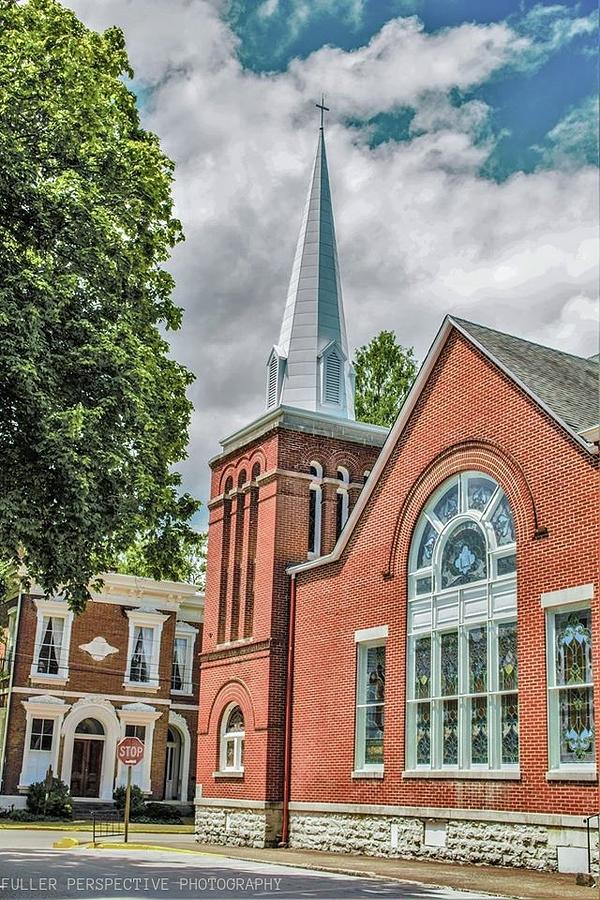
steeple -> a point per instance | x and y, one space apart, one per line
310 366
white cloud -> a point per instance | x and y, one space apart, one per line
548 28
574 139
420 232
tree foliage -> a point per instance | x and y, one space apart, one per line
385 372
186 554
94 411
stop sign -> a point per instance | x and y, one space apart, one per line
130 751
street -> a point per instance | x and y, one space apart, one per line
40 871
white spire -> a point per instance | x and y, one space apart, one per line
310 367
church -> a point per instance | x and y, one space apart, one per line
401 629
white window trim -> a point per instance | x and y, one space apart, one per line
556 768
146 715
342 491
57 609
145 619
189 633
566 596
44 707
316 486
364 639
238 737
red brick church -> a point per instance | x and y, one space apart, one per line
401 630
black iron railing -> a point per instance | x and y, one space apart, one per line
590 828
105 825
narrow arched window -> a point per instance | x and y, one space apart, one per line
315 497
462 675
342 501
232 740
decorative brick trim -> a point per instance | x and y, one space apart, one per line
239 650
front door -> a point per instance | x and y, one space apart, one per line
172 765
86 768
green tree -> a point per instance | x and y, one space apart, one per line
94 411
187 558
385 372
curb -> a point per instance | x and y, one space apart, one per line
132 845
65 843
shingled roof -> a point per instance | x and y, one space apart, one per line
568 385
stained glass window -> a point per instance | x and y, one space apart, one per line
502 522
507 656
510 729
480 492
423 667
370 698
572 739
232 740
424 585
450 732
464 559
449 663
507 564
447 507
478 659
423 734
426 546
479 730
463 708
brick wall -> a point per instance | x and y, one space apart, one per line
251 671
470 416
104 677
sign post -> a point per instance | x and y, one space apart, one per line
130 751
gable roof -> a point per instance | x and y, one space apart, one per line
563 385
567 384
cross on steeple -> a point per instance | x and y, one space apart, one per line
323 108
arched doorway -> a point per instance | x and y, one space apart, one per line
173 765
88 752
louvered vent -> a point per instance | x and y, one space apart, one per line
273 383
333 378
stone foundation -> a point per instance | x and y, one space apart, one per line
239 826
524 844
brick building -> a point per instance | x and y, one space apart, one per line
397 656
73 686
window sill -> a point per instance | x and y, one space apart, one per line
572 775
367 773
39 678
140 687
235 773
182 693
465 774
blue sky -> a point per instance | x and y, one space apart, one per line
462 154
526 102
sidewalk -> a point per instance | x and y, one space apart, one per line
518 883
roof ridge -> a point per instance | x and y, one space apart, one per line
583 359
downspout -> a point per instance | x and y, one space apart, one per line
289 702
11 679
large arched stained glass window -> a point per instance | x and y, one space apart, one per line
462 676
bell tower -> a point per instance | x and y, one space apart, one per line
282 489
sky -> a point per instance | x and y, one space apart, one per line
462 148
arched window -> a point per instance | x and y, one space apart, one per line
232 740
462 710
255 471
341 497
314 510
